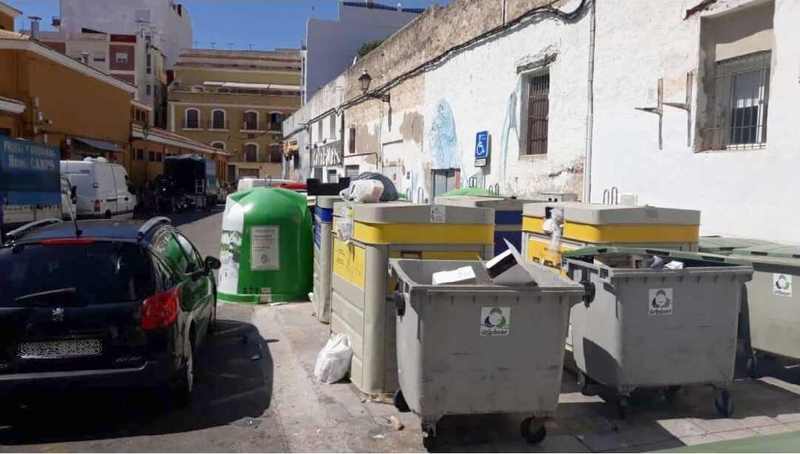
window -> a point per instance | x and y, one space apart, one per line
275 154
275 120
734 78
192 119
333 176
121 58
139 154
319 131
250 121
351 171
251 152
149 64
351 147
151 156
218 119
444 180
159 157
537 115
332 126
195 261
741 88
218 145
99 58
148 90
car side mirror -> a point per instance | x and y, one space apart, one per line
212 263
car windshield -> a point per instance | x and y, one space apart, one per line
100 273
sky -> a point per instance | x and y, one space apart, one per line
237 24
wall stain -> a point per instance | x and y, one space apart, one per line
412 127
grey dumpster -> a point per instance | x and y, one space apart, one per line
725 245
480 348
651 327
771 306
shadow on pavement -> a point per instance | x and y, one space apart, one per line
234 386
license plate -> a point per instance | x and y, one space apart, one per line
71 348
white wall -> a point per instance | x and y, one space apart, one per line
485 93
332 44
172 32
740 193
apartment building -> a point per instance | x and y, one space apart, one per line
236 101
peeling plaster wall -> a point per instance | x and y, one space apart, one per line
740 193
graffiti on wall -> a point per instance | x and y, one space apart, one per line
442 138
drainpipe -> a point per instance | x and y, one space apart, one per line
587 167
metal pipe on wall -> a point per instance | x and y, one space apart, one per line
587 167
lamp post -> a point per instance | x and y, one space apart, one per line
365 80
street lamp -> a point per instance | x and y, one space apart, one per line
365 80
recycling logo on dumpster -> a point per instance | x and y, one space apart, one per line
495 321
660 301
782 284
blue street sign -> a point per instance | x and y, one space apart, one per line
481 148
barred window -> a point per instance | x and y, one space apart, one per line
537 114
740 102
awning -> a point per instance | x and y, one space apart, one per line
99 144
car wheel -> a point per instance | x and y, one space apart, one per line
185 383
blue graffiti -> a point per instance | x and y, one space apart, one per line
443 139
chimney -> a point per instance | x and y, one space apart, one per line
34 26
85 57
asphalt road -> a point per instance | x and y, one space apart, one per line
230 412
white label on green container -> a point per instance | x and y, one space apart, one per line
660 301
782 284
265 248
495 321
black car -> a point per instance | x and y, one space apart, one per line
118 303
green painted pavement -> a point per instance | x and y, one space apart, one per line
787 442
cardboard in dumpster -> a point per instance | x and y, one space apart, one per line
463 275
508 268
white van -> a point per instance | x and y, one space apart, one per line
102 188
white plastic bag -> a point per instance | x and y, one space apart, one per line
333 361
363 191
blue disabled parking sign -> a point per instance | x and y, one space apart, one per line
482 149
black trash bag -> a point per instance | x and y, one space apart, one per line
389 190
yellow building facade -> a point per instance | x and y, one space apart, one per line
236 101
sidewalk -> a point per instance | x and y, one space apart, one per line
319 417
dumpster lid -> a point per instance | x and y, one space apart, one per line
674 254
599 214
726 245
776 254
327 201
412 213
419 274
498 203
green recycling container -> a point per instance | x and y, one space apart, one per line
267 247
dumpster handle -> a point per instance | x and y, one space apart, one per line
399 303
591 291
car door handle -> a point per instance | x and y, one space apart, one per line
111 200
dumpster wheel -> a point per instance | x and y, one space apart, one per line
399 402
723 403
429 440
533 430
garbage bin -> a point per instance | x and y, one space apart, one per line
649 327
360 283
266 249
608 225
507 216
480 348
323 243
771 307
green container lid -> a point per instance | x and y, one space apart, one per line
267 247
726 245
